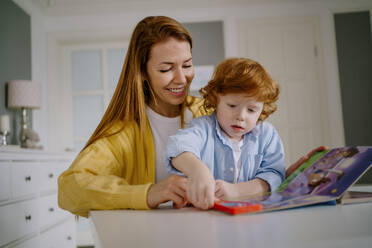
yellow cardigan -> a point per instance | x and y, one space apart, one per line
114 172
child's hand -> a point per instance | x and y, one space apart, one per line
200 181
200 188
225 190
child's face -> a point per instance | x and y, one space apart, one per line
237 114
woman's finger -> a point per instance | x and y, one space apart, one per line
177 185
178 181
162 191
178 201
180 190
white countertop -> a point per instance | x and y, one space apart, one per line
315 226
13 152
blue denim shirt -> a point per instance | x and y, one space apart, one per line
262 153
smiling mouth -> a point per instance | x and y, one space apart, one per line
176 90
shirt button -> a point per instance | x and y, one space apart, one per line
231 169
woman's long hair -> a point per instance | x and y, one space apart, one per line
133 91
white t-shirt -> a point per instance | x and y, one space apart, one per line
162 127
237 151
236 146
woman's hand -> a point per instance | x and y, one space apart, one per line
301 160
225 190
172 188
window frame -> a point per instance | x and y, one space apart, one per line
69 93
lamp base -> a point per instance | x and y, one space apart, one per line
24 125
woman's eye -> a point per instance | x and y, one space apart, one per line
187 66
165 70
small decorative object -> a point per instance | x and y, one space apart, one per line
31 139
24 94
4 129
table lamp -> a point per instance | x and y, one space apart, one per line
24 94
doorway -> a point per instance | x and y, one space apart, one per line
354 52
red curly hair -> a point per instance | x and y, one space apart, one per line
242 75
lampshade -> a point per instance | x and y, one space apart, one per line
24 94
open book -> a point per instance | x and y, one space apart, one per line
324 178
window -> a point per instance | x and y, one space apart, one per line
93 72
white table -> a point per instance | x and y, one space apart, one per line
315 226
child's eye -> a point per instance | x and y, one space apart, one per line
231 105
251 110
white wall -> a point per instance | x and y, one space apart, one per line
65 29
38 64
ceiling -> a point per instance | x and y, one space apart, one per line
89 7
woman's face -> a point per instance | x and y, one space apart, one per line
170 71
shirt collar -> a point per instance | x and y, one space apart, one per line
223 137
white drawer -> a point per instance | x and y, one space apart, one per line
17 220
25 179
49 239
62 236
49 174
4 181
50 213
68 234
31 243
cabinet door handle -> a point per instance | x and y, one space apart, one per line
51 209
51 175
69 238
28 178
28 217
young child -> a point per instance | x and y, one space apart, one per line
233 145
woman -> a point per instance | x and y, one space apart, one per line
116 168
122 160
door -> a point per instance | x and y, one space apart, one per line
288 49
